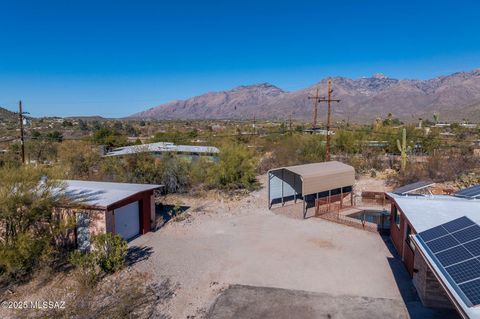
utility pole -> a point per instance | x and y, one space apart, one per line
329 114
22 140
317 99
290 123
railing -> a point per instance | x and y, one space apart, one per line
333 203
350 221
376 198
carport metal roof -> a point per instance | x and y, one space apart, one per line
324 176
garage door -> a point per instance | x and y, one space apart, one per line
127 221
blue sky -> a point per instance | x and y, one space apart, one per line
114 58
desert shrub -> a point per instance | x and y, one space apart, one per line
174 173
111 251
291 149
312 149
176 137
106 257
366 161
198 172
440 168
109 137
169 170
88 271
346 142
234 170
29 228
468 180
78 159
23 255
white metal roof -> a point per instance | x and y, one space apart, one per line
163 147
103 194
425 212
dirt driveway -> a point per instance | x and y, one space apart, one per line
244 243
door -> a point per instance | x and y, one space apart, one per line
127 220
83 231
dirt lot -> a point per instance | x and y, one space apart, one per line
227 258
242 242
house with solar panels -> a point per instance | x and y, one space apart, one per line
438 239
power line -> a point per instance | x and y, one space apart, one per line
329 112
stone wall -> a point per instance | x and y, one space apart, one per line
428 287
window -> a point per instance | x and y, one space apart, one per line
408 237
396 216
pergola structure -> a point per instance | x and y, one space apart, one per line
310 183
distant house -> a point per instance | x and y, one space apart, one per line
191 152
119 208
318 131
438 239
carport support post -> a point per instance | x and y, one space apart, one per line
329 198
304 208
294 190
341 197
283 181
269 202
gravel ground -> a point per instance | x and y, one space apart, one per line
242 242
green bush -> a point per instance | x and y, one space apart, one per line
29 229
87 267
21 257
111 251
106 257
235 169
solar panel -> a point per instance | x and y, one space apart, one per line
442 243
406 189
455 249
465 271
473 247
433 233
467 234
470 192
453 255
472 290
457 224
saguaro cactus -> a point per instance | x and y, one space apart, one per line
403 148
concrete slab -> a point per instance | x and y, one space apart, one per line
263 302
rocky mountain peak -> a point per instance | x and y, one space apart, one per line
379 76
455 96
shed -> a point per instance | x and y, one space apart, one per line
120 208
309 182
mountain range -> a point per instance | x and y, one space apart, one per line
6 115
454 97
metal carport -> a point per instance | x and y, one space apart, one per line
309 182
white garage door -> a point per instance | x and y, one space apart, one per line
127 220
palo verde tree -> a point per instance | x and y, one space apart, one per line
29 229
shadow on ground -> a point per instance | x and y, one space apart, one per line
163 213
136 254
268 303
412 301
